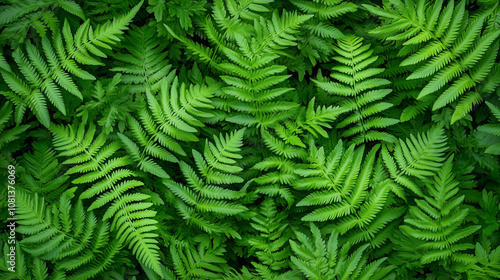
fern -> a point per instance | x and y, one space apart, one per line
145 64
492 129
318 33
318 259
204 193
247 60
360 90
18 17
8 135
110 105
308 119
173 115
437 221
223 139
70 238
43 172
26 267
339 187
419 156
269 243
133 221
252 90
49 76
233 18
288 145
456 51
278 167
205 262
325 9
488 263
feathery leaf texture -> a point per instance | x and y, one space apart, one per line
438 220
451 48
172 116
318 259
73 238
93 158
205 192
49 75
145 64
250 139
492 129
419 156
361 91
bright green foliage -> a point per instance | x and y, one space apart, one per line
26 267
73 238
202 263
346 191
173 116
18 17
145 64
177 12
48 75
334 175
488 263
309 119
132 219
318 34
492 129
437 221
8 135
318 259
42 169
250 73
448 45
361 91
111 104
418 156
272 234
205 193
325 9
250 92
250 139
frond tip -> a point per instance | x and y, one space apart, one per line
419 156
361 92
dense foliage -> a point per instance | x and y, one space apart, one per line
251 139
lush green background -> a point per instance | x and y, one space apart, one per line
252 139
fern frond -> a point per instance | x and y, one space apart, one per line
318 259
172 116
361 91
339 185
110 105
325 9
70 238
18 17
50 74
42 174
145 65
252 89
438 219
204 193
277 33
9 135
455 45
110 181
492 129
27 267
269 243
419 156
487 263
204 262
